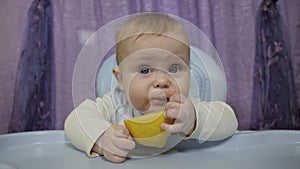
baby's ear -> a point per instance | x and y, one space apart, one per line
118 76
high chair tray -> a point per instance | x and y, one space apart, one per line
278 149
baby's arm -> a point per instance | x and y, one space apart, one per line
87 122
215 121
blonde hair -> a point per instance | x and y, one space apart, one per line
149 24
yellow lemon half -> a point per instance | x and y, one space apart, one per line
146 129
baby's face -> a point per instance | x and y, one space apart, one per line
152 67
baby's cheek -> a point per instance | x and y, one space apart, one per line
179 88
184 85
138 97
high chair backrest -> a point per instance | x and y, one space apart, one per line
208 80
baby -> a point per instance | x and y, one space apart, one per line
153 74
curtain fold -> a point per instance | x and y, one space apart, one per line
34 107
274 104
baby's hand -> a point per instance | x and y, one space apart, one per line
114 144
182 110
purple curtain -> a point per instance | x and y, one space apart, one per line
33 106
274 104
229 24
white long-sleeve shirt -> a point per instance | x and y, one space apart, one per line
87 122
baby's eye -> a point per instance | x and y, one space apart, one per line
174 68
145 70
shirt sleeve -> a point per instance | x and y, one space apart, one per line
85 124
215 121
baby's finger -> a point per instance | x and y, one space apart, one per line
170 92
173 105
125 144
121 131
175 114
114 158
115 150
173 128
176 98
171 114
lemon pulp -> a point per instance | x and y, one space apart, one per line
146 129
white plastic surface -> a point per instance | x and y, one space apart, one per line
246 150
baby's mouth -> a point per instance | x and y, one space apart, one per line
159 101
158 98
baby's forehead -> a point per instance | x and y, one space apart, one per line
149 53
153 45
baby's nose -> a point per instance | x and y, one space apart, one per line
161 83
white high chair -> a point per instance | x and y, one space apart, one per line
207 77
